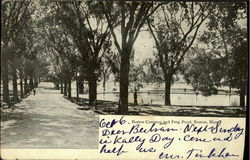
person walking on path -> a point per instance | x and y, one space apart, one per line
34 91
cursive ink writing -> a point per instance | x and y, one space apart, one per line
107 132
116 150
141 149
157 138
169 156
132 139
198 153
103 141
118 137
195 139
214 129
105 124
137 129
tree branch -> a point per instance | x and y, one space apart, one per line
111 28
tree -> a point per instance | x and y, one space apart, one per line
221 25
153 73
20 46
174 32
136 72
12 13
63 61
239 69
204 71
227 39
131 16
89 34
106 65
115 67
135 78
60 49
21 75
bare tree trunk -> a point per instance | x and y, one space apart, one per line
92 88
31 82
135 97
69 86
56 85
77 90
65 88
242 95
168 91
61 87
15 91
25 86
36 81
242 100
5 78
124 74
21 86
81 87
104 84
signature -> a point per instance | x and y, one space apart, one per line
198 153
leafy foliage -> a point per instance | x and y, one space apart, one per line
153 71
204 71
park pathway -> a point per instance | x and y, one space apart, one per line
47 120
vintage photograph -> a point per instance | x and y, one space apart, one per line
64 63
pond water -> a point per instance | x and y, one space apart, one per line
177 99
156 96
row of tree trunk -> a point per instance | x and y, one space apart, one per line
66 89
26 82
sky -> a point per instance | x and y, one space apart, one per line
144 46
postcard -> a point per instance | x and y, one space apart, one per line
88 79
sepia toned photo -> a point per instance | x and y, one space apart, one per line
65 63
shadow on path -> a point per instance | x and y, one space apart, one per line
47 120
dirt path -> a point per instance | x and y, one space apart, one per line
47 120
